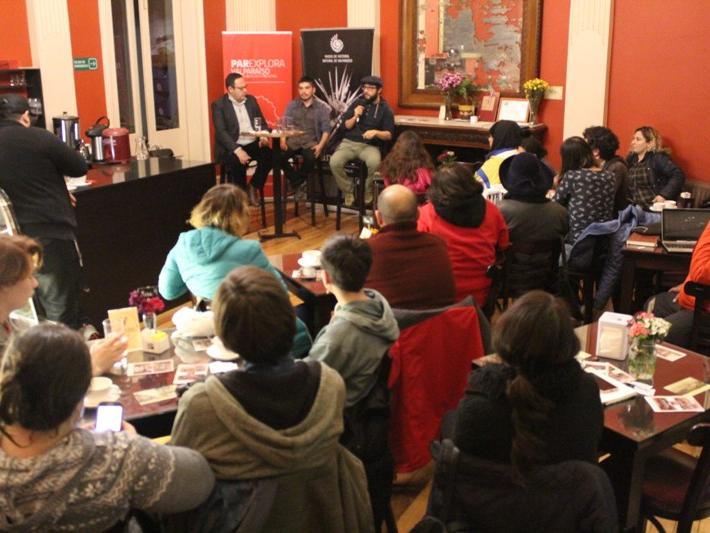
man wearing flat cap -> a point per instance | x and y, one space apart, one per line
368 122
33 163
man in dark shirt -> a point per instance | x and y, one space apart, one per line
234 115
410 268
368 122
33 163
312 116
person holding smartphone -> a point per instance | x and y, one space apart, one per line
57 476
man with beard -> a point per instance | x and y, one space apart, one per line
311 116
368 123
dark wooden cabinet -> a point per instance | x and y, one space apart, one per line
27 82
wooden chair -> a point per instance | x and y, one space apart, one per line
700 335
675 484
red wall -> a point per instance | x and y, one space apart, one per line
86 42
293 16
215 23
660 77
14 35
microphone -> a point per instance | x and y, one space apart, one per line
364 102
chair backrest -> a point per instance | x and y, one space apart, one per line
699 435
471 494
700 334
430 366
531 265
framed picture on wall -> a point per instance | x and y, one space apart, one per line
489 107
515 109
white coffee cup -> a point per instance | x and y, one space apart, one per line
473 119
99 388
308 272
657 206
311 257
669 204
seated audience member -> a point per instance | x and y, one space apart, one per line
653 177
410 268
504 137
408 164
58 477
274 417
604 144
675 305
585 189
532 145
472 227
538 406
528 213
363 327
20 256
204 256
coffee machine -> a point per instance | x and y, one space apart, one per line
66 127
95 133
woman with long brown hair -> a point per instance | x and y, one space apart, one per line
408 164
538 406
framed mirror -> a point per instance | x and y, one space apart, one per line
495 43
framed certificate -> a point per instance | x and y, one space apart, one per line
489 107
515 109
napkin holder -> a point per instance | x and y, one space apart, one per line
155 341
613 336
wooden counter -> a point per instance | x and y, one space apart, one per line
129 218
456 132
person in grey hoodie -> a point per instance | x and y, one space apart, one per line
363 327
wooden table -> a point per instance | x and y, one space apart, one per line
633 432
654 259
128 220
311 291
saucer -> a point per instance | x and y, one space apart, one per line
219 352
92 401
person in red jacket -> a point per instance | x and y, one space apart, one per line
410 268
473 228
676 305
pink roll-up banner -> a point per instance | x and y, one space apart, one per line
264 59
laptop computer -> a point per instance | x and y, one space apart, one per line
681 228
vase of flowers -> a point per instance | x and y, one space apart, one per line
534 91
466 90
446 158
645 331
449 84
149 304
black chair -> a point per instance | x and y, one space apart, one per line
530 265
700 335
262 204
472 494
675 485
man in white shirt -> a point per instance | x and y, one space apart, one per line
233 115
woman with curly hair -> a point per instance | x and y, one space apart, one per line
538 406
408 164
653 176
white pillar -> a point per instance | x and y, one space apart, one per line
251 15
588 59
50 40
366 14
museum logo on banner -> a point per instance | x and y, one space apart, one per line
337 58
264 59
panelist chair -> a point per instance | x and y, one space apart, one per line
675 485
700 334
262 204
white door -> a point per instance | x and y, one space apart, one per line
146 86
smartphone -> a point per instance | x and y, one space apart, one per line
109 416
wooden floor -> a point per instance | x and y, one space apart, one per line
409 500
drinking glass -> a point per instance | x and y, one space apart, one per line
35 106
108 330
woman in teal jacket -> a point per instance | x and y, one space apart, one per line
203 257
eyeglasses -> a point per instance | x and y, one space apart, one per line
238 87
375 87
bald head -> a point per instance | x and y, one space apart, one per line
397 204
